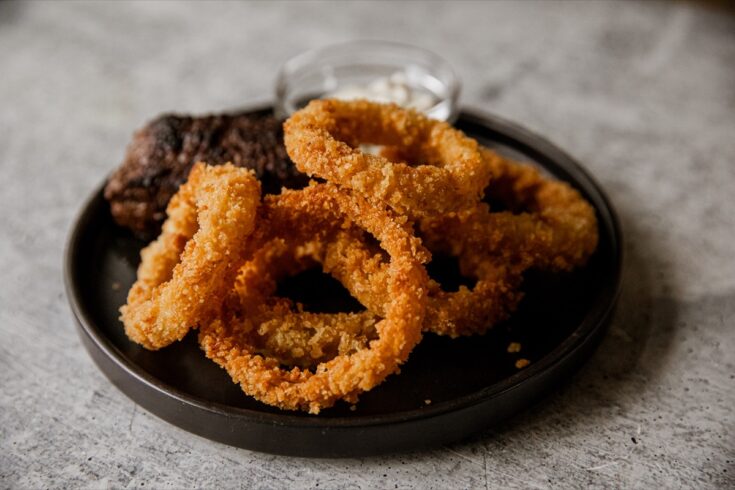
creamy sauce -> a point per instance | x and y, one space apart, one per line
395 88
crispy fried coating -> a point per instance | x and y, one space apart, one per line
186 273
316 213
466 311
553 229
222 252
307 339
323 138
292 336
556 228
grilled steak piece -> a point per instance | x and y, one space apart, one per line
159 159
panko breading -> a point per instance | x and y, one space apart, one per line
186 273
316 212
323 138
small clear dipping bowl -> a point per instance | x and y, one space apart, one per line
348 68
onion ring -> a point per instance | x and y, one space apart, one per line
187 271
556 231
313 214
466 311
297 338
322 140
361 268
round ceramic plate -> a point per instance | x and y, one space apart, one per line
447 390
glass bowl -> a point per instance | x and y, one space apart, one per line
405 74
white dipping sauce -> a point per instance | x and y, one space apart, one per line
394 89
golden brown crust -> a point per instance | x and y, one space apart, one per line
221 253
292 336
556 230
185 274
466 311
322 140
319 211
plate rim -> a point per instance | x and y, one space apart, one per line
561 353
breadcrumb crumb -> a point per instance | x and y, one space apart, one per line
521 363
514 347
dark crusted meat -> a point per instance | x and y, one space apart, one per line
159 159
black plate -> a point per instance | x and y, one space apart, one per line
446 391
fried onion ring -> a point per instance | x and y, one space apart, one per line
292 336
556 230
323 138
188 270
314 214
361 268
466 311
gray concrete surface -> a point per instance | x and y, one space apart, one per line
642 93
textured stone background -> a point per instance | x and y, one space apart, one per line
643 94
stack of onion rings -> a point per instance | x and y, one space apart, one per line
554 230
222 252
319 212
